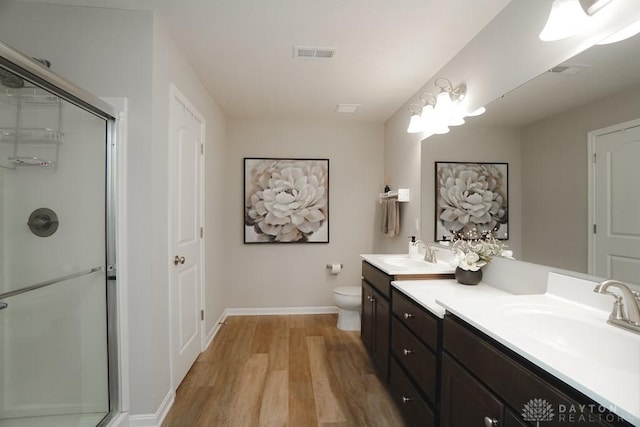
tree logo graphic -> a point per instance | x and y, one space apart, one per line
537 410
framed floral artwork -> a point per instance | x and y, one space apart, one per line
471 200
286 200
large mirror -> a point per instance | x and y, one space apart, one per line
541 129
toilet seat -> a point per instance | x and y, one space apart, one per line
350 291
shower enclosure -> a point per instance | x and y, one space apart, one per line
57 256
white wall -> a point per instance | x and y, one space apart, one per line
471 143
281 275
555 179
170 66
402 170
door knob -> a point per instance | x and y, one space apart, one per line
179 260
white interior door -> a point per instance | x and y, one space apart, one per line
186 139
616 238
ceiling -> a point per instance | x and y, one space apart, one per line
242 50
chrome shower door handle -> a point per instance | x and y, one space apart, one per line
179 260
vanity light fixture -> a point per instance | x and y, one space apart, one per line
567 17
435 113
415 123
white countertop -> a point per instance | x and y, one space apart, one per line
563 331
403 264
426 292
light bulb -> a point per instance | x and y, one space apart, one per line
565 19
415 124
433 121
477 112
456 120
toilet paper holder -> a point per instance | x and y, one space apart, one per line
330 266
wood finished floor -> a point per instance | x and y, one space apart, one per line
298 371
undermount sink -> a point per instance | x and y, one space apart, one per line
405 262
574 331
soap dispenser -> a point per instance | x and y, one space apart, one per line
413 247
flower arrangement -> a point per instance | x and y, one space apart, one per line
473 254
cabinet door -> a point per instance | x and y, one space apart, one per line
381 334
415 410
466 402
513 420
367 319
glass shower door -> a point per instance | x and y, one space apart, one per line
54 353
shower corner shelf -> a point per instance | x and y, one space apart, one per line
31 162
31 136
28 95
31 146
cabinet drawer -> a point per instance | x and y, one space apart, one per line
516 384
414 409
378 279
421 323
419 361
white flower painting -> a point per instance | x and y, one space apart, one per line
471 200
286 200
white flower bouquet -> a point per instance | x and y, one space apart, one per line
474 254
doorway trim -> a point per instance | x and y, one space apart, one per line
592 137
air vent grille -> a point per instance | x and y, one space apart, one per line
566 69
310 52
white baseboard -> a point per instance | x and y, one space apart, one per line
211 335
120 420
154 420
268 311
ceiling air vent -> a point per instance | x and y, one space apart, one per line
309 52
568 70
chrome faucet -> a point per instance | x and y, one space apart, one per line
429 252
626 307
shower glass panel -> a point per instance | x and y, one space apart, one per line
54 323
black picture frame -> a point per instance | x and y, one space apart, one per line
471 200
286 200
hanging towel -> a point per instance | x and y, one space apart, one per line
391 217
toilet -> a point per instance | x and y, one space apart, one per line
349 300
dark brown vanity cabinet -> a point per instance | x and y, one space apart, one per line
415 353
485 384
374 329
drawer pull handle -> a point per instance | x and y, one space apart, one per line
372 299
407 352
491 422
408 316
406 400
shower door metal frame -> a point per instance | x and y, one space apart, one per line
32 70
